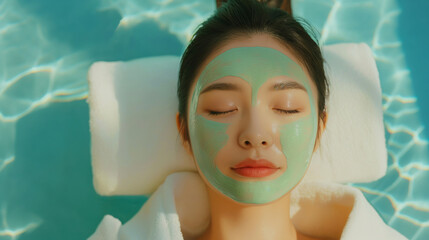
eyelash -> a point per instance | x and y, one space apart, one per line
287 111
278 110
219 113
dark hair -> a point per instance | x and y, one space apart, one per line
244 18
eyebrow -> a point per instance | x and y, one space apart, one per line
232 87
288 85
221 86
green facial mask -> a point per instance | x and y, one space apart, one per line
255 65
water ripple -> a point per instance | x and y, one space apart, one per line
14 233
36 70
401 196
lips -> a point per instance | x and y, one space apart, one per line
255 168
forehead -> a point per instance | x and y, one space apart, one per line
253 64
257 40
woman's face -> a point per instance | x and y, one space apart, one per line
252 120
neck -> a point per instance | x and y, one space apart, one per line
233 220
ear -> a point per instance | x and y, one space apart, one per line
324 121
178 122
184 143
322 127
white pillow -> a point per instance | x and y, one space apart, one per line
135 143
353 146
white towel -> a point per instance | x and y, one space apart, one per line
312 204
135 144
130 159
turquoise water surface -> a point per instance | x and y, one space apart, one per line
46 47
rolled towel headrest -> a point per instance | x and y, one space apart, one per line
135 144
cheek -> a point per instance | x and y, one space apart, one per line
229 153
297 138
208 137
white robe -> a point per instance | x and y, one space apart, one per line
311 206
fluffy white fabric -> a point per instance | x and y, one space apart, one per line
135 142
135 147
134 139
169 214
353 147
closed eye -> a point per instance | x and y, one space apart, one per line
220 113
282 111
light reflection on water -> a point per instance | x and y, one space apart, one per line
16 232
43 62
401 196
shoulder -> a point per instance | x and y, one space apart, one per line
364 221
337 211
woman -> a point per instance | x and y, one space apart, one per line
252 91
252 95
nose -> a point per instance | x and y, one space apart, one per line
255 141
255 134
